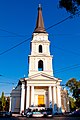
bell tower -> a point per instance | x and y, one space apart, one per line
40 59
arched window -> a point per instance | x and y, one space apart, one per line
40 48
40 65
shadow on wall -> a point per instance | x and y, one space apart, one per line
57 110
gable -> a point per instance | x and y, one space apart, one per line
42 76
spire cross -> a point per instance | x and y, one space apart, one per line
39 5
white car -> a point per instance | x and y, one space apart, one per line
37 114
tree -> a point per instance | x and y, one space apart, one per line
4 103
71 6
74 87
0 105
3 100
72 104
7 103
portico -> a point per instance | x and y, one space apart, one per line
42 92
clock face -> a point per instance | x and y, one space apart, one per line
41 38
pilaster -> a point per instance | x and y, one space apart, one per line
28 96
50 97
32 95
59 99
54 100
22 97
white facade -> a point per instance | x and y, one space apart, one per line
41 88
40 40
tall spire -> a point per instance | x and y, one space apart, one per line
40 23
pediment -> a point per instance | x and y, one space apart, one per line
42 76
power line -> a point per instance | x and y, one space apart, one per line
15 46
56 71
71 16
69 51
37 34
16 34
68 69
7 83
63 34
11 36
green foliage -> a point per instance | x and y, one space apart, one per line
3 100
72 84
77 103
72 104
74 87
71 6
4 103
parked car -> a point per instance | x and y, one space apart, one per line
32 113
48 112
5 114
9 114
37 114
75 113
44 112
28 113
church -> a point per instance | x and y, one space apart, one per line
41 89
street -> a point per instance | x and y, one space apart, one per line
54 118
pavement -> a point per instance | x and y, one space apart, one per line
16 115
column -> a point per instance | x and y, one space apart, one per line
32 95
46 94
50 97
55 100
10 104
22 97
59 99
27 99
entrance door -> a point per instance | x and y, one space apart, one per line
40 99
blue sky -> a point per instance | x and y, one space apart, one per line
17 23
